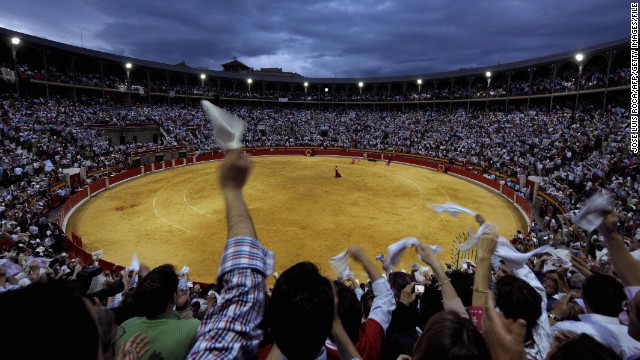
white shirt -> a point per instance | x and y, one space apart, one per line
605 329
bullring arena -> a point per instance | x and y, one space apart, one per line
300 210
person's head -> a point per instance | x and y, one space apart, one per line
447 335
157 291
430 304
301 311
107 327
53 303
462 282
633 311
367 302
398 281
603 295
576 281
503 270
582 347
518 300
550 283
349 310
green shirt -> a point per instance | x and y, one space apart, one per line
169 337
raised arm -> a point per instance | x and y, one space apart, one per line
486 247
384 303
233 176
230 331
450 298
359 255
625 265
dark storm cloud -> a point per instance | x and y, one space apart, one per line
328 38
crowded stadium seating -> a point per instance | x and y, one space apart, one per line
571 149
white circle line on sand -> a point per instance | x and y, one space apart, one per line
155 209
184 198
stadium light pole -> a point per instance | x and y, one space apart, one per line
249 82
488 75
306 85
202 78
579 58
15 41
360 85
128 67
419 91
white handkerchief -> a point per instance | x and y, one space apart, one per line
12 268
594 211
185 270
467 261
485 228
512 257
340 262
135 264
227 128
602 255
636 254
396 249
347 273
559 257
561 253
453 209
183 282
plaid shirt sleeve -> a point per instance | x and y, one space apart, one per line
230 330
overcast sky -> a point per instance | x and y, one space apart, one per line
319 38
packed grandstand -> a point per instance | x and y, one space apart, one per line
559 121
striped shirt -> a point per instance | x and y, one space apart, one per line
230 330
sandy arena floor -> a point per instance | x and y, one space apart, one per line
301 212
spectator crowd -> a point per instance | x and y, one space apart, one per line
583 304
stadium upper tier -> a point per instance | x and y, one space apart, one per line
45 68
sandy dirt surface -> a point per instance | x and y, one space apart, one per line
301 212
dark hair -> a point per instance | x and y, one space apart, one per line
462 282
301 311
398 281
349 310
584 347
430 304
106 323
447 335
518 300
367 302
156 291
603 294
54 303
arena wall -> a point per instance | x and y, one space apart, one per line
74 246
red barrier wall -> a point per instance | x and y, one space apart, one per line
508 192
98 185
168 164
